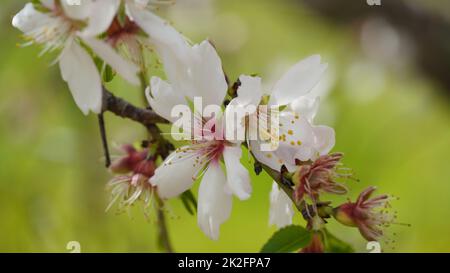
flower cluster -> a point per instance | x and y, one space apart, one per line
114 34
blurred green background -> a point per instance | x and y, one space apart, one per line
392 123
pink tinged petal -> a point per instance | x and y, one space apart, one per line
281 210
125 68
102 13
238 178
162 98
80 73
365 195
77 12
324 139
369 232
176 174
298 81
214 203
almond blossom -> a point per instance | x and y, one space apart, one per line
59 26
126 35
199 74
298 138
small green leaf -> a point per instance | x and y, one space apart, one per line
108 73
189 201
335 245
287 239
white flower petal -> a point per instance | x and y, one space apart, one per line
50 4
176 174
296 135
297 81
170 45
29 19
102 13
162 98
238 178
274 159
126 69
281 210
207 77
80 73
306 107
249 92
214 203
324 139
77 12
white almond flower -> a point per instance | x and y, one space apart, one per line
57 26
200 74
299 139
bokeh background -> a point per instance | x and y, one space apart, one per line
386 94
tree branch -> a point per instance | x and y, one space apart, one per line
124 109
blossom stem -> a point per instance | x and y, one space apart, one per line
277 177
101 124
163 149
163 234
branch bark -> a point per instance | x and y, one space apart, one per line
124 109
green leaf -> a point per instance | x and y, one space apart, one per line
335 245
108 73
287 239
189 202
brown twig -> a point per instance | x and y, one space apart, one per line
124 109
101 123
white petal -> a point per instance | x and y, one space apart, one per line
175 175
141 3
281 210
297 135
126 69
100 18
80 73
297 81
77 12
249 92
29 18
169 43
50 4
244 105
324 139
207 77
238 178
306 107
267 158
162 98
214 203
